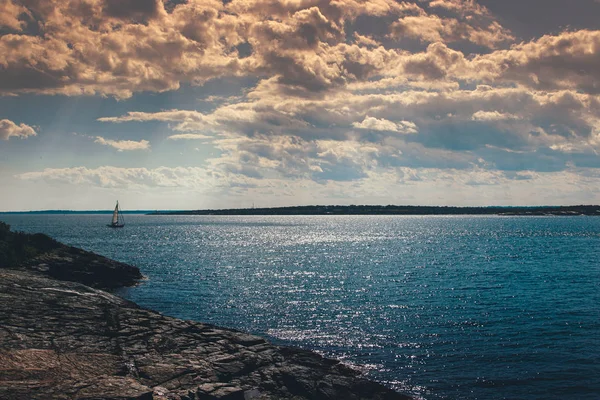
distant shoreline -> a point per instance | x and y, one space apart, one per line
77 212
398 210
590 210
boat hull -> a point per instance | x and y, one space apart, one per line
115 225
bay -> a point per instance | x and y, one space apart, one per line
441 307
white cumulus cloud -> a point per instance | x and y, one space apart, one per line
190 136
9 129
492 116
382 124
123 145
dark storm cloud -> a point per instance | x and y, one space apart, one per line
534 18
135 10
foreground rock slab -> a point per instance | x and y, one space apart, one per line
65 340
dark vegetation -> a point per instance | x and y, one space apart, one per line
17 247
43 255
395 210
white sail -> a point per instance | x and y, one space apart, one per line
115 218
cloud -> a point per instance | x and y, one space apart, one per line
172 115
365 40
475 186
118 48
9 129
244 116
451 128
10 14
164 116
123 145
461 7
342 99
569 60
458 21
113 48
190 136
432 28
188 120
492 116
386 125
115 177
308 48
165 179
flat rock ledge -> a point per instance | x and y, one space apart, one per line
66 340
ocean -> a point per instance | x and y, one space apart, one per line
440 307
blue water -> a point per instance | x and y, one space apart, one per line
439 307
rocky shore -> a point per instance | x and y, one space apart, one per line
61 339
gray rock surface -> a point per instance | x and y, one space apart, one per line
65 340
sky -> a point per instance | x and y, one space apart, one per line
174 104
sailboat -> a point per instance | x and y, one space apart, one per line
117 218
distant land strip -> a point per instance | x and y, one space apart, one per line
78 212
397 210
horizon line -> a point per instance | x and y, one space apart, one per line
110 210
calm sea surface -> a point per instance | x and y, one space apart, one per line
439 307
